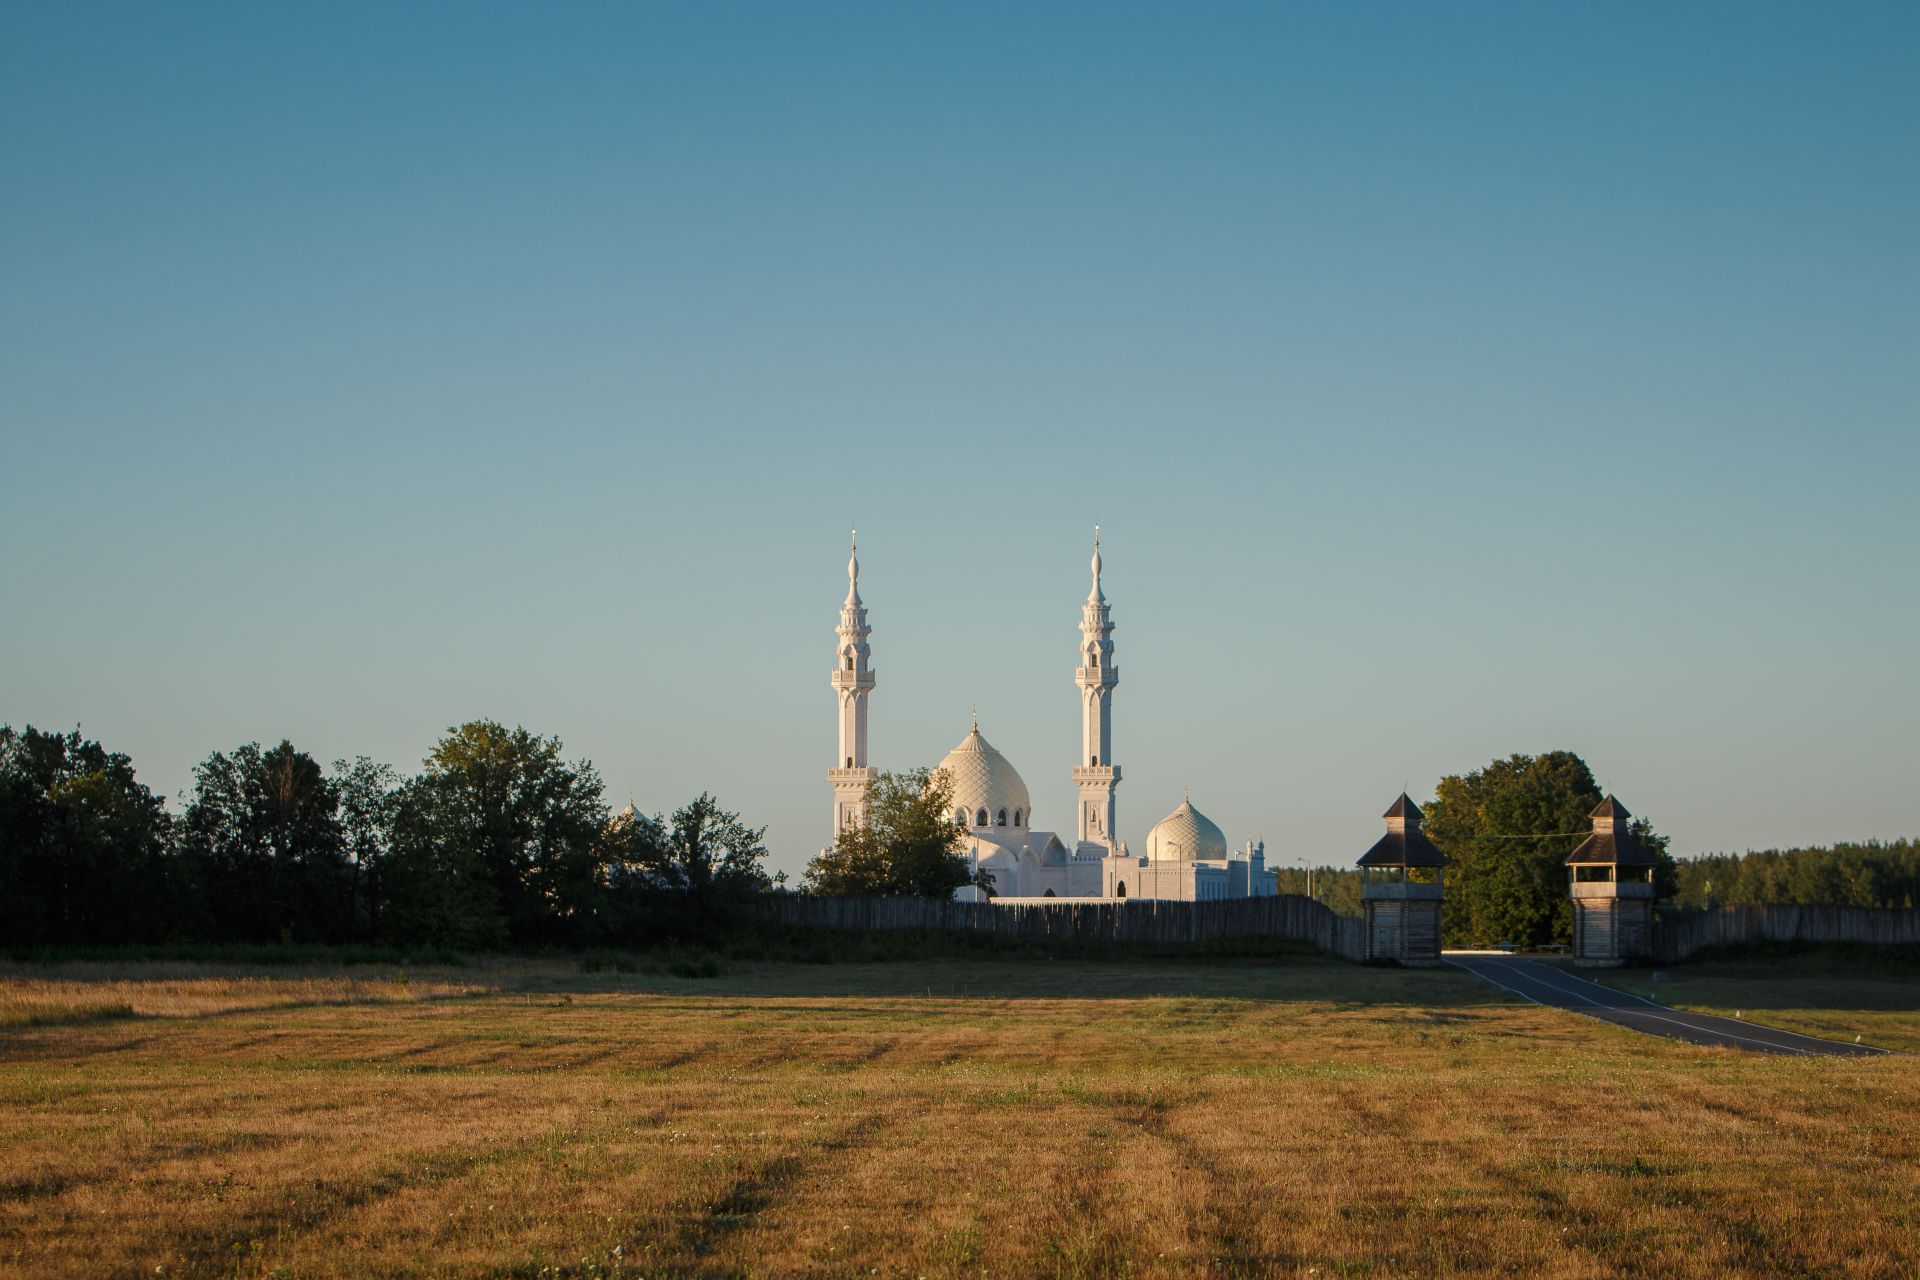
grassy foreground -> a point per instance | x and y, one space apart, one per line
1025 1117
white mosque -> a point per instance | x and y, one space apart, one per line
1186 855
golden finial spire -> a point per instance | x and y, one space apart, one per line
1094 596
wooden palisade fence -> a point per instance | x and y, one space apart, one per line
1300 918
1146 920
1679 936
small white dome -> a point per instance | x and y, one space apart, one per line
1186 835
984 782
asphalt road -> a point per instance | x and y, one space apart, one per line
1545 984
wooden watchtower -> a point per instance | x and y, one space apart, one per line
1400 888
1611 874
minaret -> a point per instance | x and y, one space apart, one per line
852 682
1096 775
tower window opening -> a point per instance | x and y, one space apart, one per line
1120 889
849 762
1000 819
849 662
980 818
1094 761
1093 660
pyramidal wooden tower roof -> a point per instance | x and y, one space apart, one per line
1404 845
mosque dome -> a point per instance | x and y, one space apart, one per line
1186 835
985 784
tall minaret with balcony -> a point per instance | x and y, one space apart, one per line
1096 775
852 682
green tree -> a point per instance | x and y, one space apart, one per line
1666 872
369 809
1337 887
631 850
433 888
498 840
83 845
1508 829
696 873
908 846
263 838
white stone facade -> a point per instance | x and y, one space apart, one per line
852 682
1187 857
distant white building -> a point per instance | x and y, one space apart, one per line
1186 855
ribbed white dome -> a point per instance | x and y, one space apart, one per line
984 780
1186 835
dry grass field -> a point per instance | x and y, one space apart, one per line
1022 1117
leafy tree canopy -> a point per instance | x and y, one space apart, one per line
265 849
695 872
908 846
1508 828
497 840
83 843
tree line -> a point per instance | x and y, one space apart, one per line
1871 874
497 841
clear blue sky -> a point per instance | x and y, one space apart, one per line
1450 380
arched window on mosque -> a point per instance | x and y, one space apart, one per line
1000 819
1094 761
980 818
960 817
1093 660
1016 817
1120 889
849 662
1049 894
849 762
